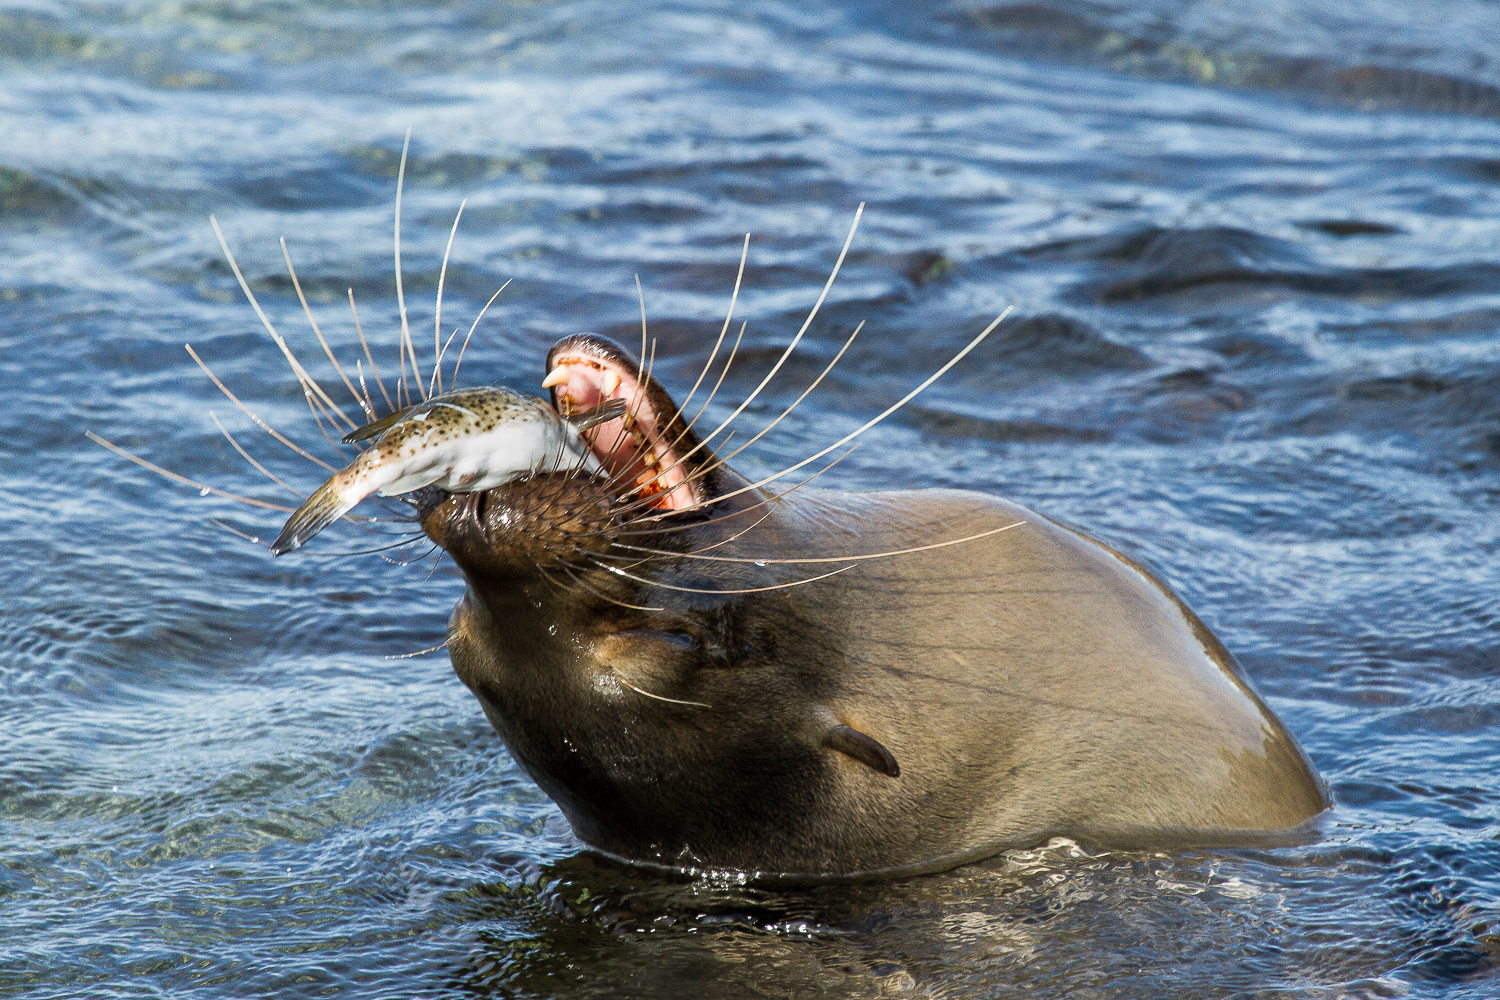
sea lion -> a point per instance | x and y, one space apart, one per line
705 672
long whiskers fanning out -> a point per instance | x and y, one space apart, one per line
317 331
882 415
474 326
436 386
251 414
650 459
734 297
408 348
720 461
863 427
184 480
327 416
247 457
797 339
308 383
420 652
374 372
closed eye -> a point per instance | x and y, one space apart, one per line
684 641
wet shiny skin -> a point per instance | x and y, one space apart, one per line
1253 253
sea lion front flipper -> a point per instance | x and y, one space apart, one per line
596 415
376 428
865 749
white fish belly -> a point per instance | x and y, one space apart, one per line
471 463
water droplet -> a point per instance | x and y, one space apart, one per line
203 492
114 788
760 562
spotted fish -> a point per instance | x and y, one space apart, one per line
463 441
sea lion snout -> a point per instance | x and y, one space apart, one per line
539 521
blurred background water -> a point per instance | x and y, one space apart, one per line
1254 251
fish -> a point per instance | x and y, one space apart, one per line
463 441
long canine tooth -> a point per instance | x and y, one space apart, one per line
611 383
556 376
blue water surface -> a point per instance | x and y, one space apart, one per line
1254 252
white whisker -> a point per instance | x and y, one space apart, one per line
437 322
406 344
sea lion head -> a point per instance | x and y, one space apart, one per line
676 695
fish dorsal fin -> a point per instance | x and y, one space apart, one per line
376 428
596 415
864 748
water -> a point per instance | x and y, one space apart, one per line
1255 257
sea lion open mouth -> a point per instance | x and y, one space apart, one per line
650 448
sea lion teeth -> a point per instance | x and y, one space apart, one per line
609 383
556 376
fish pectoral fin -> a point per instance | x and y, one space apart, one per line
864 748
376 428
596 415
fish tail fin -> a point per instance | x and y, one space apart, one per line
596 415
328 503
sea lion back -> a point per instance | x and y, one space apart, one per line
1039 683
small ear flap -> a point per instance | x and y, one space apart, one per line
865 749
